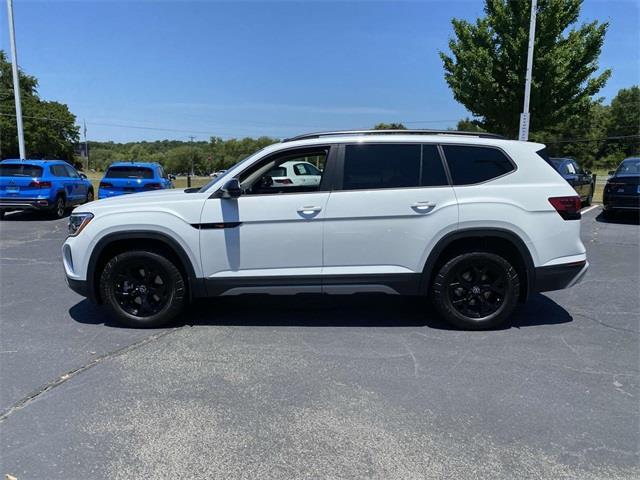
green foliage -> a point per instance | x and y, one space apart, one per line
175 155
468 125
49 127
487 66
389 126
592 137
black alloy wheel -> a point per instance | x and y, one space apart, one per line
142 288
476 290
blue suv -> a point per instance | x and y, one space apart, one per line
50 185
131 177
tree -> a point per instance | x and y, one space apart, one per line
468 125
487 66
625 121
389 126
49 127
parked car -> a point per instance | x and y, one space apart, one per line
583 181
49 185
622 191
296 173
131 177
218 173
472 220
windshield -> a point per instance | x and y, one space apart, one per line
629 168
129 172
226 172
20 170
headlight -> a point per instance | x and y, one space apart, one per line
77 222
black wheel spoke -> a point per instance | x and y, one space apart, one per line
477 289
141 289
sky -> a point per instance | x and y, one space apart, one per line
148 70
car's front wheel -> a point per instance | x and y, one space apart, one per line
142 288
476 291
89 196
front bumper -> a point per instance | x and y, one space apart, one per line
558 277
17 203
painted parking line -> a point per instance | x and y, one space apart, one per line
588 209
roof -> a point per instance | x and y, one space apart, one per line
134 164
343 133
34 162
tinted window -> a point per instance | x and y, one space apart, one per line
58 171
381 166
392 166
20 170
129 172
71 172
433 173
470 165
278 172
629 168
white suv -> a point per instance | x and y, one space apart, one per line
475 221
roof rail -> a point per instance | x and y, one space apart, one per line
335 133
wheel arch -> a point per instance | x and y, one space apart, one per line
114 243
495 240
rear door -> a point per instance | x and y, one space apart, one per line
393 201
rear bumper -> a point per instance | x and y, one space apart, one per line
621 202
17 203
557 277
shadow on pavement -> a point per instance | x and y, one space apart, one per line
30 216
328 311
620 218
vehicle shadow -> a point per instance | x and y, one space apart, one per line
362 310
620 218
30 216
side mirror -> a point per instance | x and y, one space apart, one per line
83 176
231 189
172 177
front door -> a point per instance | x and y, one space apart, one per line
268 239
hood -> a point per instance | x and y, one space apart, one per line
138 200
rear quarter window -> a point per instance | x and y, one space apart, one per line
20 170
470 165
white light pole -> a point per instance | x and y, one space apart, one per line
524 116
16 81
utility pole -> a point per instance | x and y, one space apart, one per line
191 172
16 80
524 116
86 144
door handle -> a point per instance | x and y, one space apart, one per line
309 210
423 206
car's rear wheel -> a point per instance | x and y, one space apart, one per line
476 291
142 288
59 207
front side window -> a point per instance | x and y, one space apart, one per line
129 172
469 165
376 166
277 174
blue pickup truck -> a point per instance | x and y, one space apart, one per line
131 177
49 185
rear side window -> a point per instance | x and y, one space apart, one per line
20 170
306 169
58 171
469 165
129 172
392 166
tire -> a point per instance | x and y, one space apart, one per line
1 214
142 289
59 207
476 291
89 196
589 199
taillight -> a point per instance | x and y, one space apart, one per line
40 184
106 185
567 207
153 186
283 181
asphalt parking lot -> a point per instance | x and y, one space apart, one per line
307 387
